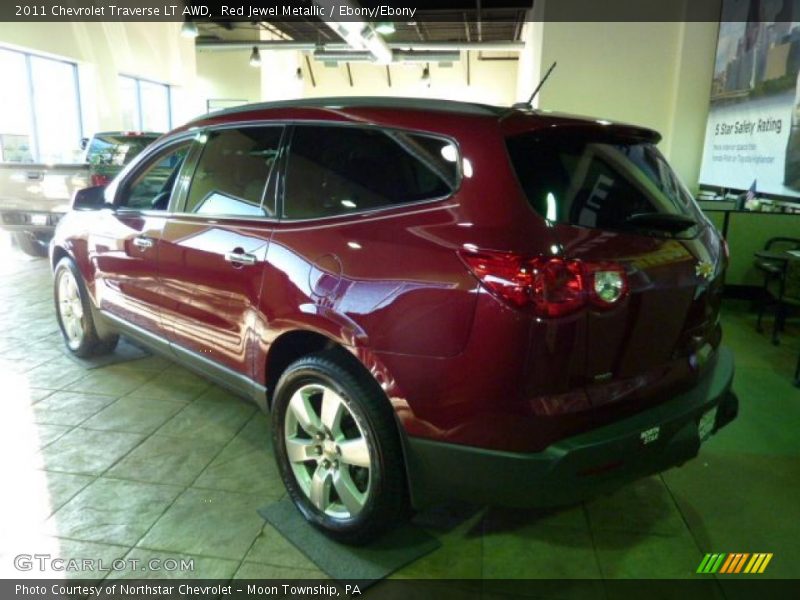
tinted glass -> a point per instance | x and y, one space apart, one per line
116 150
336 170
152 187
233 171
598 184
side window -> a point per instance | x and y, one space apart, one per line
151 187
336 170
233 171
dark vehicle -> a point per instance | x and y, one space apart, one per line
33 197
109 151
435 300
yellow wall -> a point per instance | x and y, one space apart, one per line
227 76
656 74
652 74
154 51
493 82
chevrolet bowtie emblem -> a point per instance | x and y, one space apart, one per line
704 269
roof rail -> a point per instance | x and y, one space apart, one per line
344 102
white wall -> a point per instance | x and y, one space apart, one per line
154 51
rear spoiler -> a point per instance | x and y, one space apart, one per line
517 122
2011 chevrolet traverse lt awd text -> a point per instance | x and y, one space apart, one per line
435 300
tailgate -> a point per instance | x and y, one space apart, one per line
39 187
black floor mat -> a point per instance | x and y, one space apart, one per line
124 352
369 563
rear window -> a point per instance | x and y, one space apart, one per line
338 170
116 150
602 184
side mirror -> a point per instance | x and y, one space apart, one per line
91 198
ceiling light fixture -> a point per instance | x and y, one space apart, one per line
189 29
385 28
255 57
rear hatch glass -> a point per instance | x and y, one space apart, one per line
604 184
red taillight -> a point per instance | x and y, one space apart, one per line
548 286
98 179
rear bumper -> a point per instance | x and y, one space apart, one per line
33 221
579 467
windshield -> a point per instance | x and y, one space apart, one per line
117 150
602 184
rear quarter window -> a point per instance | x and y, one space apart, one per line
335 170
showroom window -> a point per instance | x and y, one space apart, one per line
337 170
233 171
34 127
146 105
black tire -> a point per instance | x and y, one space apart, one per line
89 343
386 502
30 244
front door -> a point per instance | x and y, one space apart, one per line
125 247
212 251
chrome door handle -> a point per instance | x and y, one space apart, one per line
240 258
142 242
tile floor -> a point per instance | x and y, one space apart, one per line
145 459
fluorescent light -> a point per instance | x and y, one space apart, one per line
255 57
385 28
348 204
189 29
375 44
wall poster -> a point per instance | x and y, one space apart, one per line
753 129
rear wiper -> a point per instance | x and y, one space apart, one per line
662 221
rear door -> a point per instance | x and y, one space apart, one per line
124 245
212 250
618 200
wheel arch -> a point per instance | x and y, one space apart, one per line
294 344
56 255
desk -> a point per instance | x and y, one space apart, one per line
782 256
747 232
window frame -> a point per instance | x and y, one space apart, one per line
270 189
276 191
146 159
293 124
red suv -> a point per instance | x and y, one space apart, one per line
434 299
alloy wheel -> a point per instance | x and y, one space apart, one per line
70 308
328 451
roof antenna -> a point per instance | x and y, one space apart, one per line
536 91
